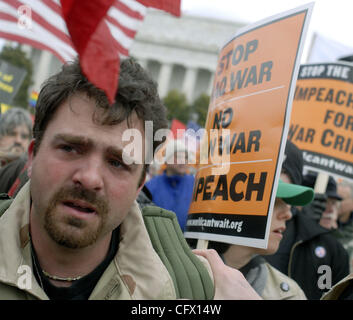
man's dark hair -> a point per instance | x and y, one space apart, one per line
137 92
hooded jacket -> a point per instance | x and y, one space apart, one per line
135 269
313 248
344 234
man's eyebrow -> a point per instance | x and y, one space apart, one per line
87 143
79 140
115 152
119 154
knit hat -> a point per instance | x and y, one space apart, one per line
331 189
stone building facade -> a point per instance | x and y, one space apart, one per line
180 53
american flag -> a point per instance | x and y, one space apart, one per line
61 28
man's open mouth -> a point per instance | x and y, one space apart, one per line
80 205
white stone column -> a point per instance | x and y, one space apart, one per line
189 83
164 76
43 69
210 84
27 49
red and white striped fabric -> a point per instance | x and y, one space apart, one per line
60 27
46 29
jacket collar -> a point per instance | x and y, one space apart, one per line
15 250
134 271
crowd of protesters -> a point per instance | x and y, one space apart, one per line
74 217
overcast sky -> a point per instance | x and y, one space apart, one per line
331 18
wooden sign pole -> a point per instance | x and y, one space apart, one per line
321 182
202 244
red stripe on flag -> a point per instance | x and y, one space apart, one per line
33 43
130 33
42 22
124 8
53 6
7 17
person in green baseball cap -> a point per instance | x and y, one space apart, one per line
294 194
268 282
306 245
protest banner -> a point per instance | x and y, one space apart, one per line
247 125
11 78
322 118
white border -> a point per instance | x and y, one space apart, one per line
254 242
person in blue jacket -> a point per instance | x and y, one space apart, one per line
172 190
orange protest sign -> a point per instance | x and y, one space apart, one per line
247 124
322 117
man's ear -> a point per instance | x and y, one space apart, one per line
30 157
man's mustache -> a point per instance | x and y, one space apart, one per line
90 197
15 146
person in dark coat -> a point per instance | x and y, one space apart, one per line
308 253
14 175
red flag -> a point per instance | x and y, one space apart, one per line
171 6
93 42
175 126
100 31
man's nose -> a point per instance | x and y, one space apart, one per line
19 140
89 174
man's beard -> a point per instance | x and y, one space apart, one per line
76 233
